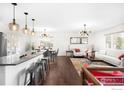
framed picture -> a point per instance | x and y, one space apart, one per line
75 40
84 40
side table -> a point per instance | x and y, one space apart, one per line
69 53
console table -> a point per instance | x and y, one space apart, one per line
69 53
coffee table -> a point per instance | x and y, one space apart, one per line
79 62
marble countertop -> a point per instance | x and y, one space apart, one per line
15 60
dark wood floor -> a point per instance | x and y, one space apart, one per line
62 72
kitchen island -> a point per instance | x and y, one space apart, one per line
13 68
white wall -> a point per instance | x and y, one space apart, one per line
99 36
61 40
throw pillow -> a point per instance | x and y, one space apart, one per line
77 50
121 56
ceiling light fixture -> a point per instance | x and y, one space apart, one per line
33 32
26 29
85 33
14 26
44 34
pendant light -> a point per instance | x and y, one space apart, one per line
14 26
33 32
26 29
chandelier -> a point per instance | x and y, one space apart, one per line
44 33
85 32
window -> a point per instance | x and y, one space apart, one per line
115 40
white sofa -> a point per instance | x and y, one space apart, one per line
110 56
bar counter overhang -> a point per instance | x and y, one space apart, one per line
12 68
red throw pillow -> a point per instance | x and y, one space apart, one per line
77 50
121 56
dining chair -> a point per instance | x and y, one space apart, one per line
55 54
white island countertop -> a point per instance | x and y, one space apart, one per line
15 60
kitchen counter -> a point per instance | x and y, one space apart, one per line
13 68
15 60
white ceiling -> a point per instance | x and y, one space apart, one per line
66 17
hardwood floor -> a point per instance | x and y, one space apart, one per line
62 72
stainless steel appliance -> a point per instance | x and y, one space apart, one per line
3 44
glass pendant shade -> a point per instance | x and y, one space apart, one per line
33 32
14 26
26 30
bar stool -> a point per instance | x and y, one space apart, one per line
46 65
43 65
38 77
47 57
42 69
29 72
35 73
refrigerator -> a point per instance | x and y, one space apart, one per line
3 44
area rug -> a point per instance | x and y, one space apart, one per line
79 62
